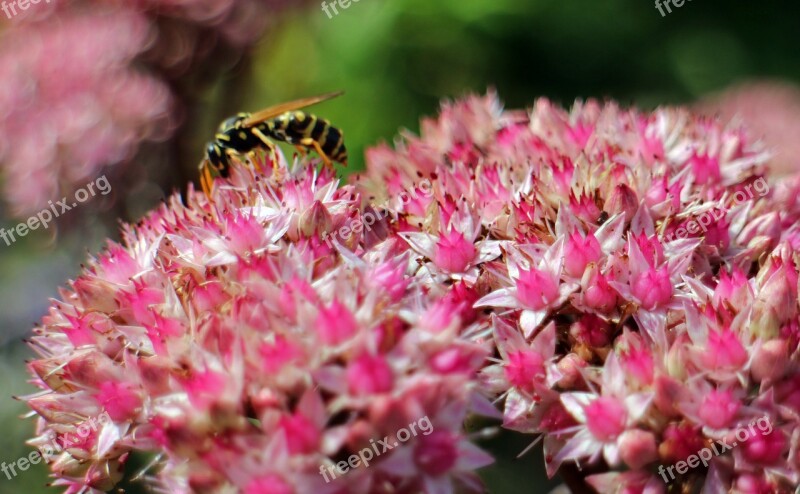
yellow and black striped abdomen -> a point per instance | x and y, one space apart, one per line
302 128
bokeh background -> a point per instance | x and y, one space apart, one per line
396 59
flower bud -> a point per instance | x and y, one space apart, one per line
718 408
622 200
536 289
723 351
764 448
637 448
606 417
315 220
770 361
570 368
591 330
679 442
454 252
597 292
369 374
652 288
579 252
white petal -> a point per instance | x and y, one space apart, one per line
695 325
529 320
699 289
261 213
489 250
471 457
679 264
507 337
637 261
421 242
553 258
611 454
438 485
505 297
581 445
637 404
624 290
545 341
566 223
517 412
220 259
653 324
331 378
565 290
110 433
576 402
614 377
643 221
481 405
400 462
609 236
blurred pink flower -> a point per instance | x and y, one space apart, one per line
770 110
73 102
86 83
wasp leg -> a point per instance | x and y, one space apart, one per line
206 180
309 142
300 149
269 145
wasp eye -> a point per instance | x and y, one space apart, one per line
213 154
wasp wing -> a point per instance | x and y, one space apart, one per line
274 111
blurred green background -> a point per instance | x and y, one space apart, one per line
396 59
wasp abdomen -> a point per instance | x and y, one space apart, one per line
334 145
297 127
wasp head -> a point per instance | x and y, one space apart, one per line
232 123
216 156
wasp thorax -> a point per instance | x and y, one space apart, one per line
232 122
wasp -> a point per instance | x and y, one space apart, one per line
284 122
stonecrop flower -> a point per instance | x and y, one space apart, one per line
624 285
643 282
229 341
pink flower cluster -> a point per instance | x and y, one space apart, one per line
86 82
229 339
543 271
619 344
